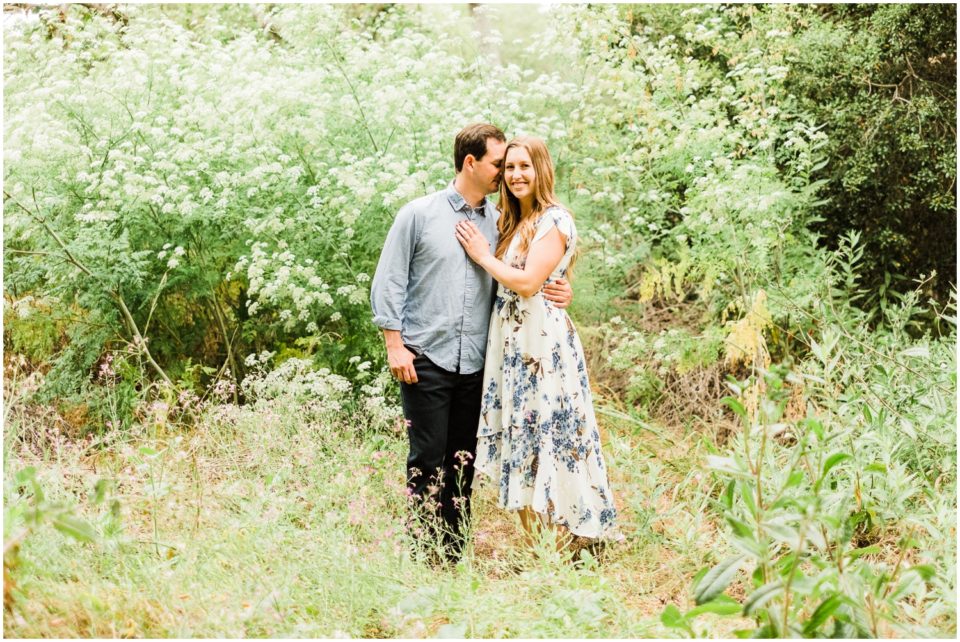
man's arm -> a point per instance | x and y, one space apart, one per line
558 292
542 259
388 293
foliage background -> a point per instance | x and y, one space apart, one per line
195 198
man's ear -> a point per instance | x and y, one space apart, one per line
469 161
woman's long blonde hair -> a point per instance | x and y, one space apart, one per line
511 221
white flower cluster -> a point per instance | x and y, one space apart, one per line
286 164
176 253
277 280
380 411
695 144
296 379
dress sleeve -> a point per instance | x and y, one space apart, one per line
559 218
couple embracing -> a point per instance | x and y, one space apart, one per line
470 297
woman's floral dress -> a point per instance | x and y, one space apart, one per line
538 437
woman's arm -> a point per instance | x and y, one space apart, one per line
543 257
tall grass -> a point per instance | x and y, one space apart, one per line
265 520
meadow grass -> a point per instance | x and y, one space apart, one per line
286 517
259 522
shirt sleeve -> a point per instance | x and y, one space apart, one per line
555 217
388 290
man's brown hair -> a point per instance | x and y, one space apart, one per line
472 140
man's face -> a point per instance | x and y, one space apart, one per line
488 170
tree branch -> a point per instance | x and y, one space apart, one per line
138 339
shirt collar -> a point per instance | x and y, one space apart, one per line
459 203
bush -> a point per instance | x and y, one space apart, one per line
881 82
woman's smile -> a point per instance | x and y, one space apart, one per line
519 172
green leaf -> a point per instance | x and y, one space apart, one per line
766 632
761 596
822 614
728 495
740 528
587 558
727 465
784 502
859 552
734 404
814 424
699 575
906 425
717 579
875 468
828 465
906 585
921 352
794 479
672 617
100 491
721 605
746 492
784 533
74 527
833 460
27 474
708 444
925 571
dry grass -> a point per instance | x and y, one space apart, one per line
687 395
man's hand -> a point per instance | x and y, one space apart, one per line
399 358
401 364
558 292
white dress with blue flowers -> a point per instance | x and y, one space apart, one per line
538 439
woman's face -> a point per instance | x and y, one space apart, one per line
519 174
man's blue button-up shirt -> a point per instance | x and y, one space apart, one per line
428 288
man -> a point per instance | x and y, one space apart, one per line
433 304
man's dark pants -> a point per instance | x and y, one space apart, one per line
442 411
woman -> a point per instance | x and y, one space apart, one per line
538 437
